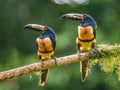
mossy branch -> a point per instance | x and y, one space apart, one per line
110 60
106 51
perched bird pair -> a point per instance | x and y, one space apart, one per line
46 43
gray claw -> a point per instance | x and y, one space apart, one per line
97 52
53 57
78 53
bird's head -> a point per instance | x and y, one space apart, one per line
84 19
45 30
35 27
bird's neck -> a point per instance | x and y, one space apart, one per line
85 33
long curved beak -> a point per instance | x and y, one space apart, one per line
73 16
35 27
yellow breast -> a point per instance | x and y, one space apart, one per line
45 48
85 33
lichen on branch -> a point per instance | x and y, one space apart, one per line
110 59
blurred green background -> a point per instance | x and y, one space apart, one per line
17 45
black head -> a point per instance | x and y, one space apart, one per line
84 19
48 32
88 21
45 30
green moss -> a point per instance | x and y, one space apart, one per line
107 64
109 60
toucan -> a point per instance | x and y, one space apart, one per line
86 37
46 44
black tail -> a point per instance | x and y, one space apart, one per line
84 65
43 77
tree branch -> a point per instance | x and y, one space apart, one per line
51 63
41 66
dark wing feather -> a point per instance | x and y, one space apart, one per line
53 43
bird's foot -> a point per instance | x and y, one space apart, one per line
95 53
78 53
42 63
53 57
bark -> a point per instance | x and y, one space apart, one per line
41 66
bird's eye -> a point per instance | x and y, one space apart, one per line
84 16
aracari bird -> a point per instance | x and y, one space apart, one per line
46 44
86 37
